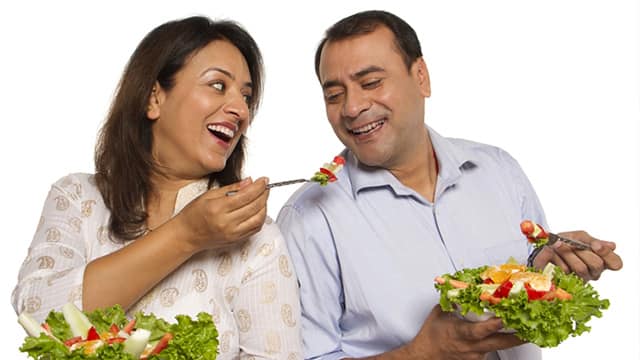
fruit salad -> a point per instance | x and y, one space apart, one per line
108 335
542 307
328 171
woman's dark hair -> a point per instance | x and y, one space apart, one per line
123 156
365 22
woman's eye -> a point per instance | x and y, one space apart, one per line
248 99
218 86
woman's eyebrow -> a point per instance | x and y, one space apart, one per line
227 73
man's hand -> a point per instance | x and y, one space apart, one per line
588 264
444 336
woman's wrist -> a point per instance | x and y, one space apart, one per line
181 236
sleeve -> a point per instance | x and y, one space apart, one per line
315 261
530 206
267 308
52 273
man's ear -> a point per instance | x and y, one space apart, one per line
155 100
422 76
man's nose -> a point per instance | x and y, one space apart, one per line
355 103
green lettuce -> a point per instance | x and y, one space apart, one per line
192 339
544 323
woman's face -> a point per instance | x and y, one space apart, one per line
200 120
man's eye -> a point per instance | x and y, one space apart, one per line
371 84
332 97
218 85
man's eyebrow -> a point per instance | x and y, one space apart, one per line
357 75
366 71
228 74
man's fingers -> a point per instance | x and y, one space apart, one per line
498 342
605 249
549 255
574 262
478 330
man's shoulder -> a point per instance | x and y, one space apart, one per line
481 152
313 195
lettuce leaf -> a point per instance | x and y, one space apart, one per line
102 319
192 339
544 323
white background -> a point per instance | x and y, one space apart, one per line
555 83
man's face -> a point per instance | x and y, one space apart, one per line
374 104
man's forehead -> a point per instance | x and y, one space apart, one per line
357 55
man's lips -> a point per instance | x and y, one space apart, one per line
367 128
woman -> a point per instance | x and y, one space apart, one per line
153 230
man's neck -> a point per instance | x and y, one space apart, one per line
420 171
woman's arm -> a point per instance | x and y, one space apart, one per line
211 221
124 276
51 274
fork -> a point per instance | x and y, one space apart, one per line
275 184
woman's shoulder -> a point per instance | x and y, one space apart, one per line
77 185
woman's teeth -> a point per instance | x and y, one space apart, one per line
221 131
367 128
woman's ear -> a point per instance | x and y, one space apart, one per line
155 100
422 77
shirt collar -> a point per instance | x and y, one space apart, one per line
451 159
189 192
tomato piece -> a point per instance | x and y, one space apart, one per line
503 290
487 281
338 160
114 329
328 172
72 341
93 334
164 341
534 294
130 326
527 227
115 340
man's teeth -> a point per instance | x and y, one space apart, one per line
367 128
221 129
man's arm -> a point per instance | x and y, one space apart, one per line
444 336
313 254
588 264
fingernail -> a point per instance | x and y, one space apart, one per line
596 246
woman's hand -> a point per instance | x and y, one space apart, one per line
215 220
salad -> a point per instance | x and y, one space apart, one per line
543 308
328 171
535 233
106 334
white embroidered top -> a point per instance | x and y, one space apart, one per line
251 291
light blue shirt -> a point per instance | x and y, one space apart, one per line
367 248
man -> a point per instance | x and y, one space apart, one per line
409 205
